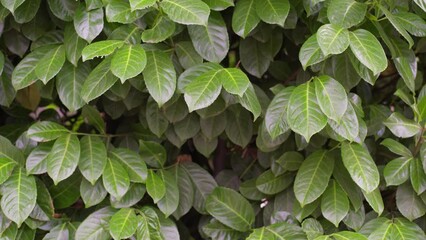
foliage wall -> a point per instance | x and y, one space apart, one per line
212 119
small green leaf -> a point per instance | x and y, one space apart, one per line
270 184
273 11
276 114
128 62
397 25
402 127
93 227
203 91
313 176
132 162
331 96
234 80
397 171
368 50
186 12
161 29
92 194
169 203
346 13
332 39
93 158
74 44
63 158
50 64
155 186
6 168
304 113
244 18
120 11
46 131
98 82
360 166
310 53
100 49
375 200
230 208
334 203
115 178
417 176
396 147
123 223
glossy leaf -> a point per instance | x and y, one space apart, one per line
273 11
334 203
186 11
128 61
88 24
346 13
93 158
332 39
331 97
244 18
50 64
46 131
132 162
401 126
100 49
115 178
123 223
63 158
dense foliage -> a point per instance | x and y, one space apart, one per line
220 119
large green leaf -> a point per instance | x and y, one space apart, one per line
375 200
169 203
250 101
332 39
268 183
397 25
128 61
238 133
368 50
276 114
203 90
63 158
411 22
188 56
230 208
310 53
397 171
304 113
123 223
186 11
417 176
46 131
50 64
360 166
273 11
120 11
396 147
63 9
409 204
211 41
92 228
92 194
149 225
160 76
334 203
115 178
88 24
161 29
99 81
132 162
402 127
19 194
69 82
74 44
331 97
12 5
234 80
244 18
346 13
93 158
100 49
155 186
348 127
313 176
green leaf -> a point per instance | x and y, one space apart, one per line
88 24
93 227
100 49
93 158
304 115
360 166
368 50
375 200
332 39
417 176
149 226
24 73
276 114
397 25
12 5
123 223
273 11
280 230
132 162
331 96
188 57
188 127
74 45
186 12
255 56
155 117
396 171
141 4
63 158
161 29
348 127
406 64
50 64
115 178
6 168
313 176
58 232
211 41
186 193
19 194
46 131
346 13
66 192
234 80
250 101
128 61
133 196
409 204
69 82
310 53
92 194
270 184
160 76
93 117
120 11
400 126
155 186
345 235
169 203
230 208
334 203
203 91
408 230
411 22
153 153
238 133
244 18
98 82
396 147
219 5
63 9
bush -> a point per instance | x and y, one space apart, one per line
198 119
